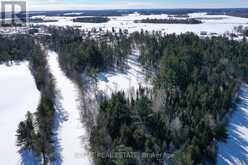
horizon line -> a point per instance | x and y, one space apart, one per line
200 8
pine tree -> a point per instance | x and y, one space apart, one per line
25 133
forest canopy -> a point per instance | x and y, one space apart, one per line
194 87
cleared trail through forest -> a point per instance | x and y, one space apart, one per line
71 131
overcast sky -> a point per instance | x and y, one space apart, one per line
132 4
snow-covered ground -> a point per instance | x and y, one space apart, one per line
71 131
211 23
18 94
128 80
235 150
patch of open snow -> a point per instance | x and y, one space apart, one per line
18 94
71 132
128 80
235 150
79 13
197 14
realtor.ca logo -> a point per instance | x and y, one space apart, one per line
14 13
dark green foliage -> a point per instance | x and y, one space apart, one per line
35 134
242 30
40 20
169 21
196 80
45 111
82 51
91 19
194 85
15 48
33 31
124 126
26 133
44 122
221 131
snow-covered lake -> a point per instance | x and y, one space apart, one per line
235 150
211 23
18 94
71 131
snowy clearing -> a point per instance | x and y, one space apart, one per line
128 80
235 150
71 131
18 94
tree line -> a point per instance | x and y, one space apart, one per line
89 51
170 21
36 131
15 48
91 19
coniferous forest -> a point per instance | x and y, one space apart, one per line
177 121
195 83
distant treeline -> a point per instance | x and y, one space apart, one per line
121 12
231 13
40 20
91 19
169 21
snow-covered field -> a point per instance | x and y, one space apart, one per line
18 94
211 23
128 80
71 131
235 150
